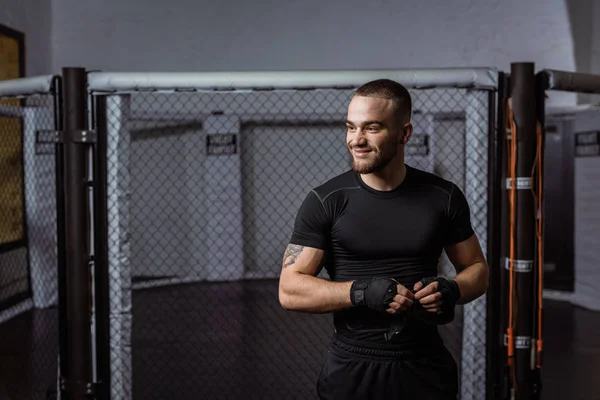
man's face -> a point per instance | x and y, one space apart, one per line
374 133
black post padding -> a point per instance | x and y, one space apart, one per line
78 295
523 97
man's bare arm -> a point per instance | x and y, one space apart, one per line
472 269
301 290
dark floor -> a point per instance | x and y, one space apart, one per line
203 341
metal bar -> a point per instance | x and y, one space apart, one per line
6 247
494 215
101 249
11 111
26 86
571 81
77 234
61 249
14 300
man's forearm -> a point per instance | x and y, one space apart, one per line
472 281
302 292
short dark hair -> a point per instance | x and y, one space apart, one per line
389 89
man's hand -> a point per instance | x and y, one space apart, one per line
428 296
436 294
381 294
374 293
402 302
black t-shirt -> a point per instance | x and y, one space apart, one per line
369 233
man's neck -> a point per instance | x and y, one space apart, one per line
388 178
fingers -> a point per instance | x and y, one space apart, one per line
402 290
433 308
432 303
400 303
418 286
426 291
396 308
429 297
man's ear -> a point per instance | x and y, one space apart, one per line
407 132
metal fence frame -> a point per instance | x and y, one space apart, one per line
485 80
79 114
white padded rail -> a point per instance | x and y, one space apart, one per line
573 81
476 78
26 86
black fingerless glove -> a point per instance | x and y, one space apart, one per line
374 293
447 287
450 295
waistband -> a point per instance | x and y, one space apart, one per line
347 346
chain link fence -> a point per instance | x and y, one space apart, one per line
203 189
28 240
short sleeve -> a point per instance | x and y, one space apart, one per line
458 214
311 227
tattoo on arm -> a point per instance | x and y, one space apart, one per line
291 254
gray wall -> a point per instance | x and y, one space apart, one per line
586 39
188 35
34 18
587 219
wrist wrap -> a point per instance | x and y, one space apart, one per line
374 293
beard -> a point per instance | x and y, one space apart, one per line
375 162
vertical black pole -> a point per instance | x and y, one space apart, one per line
59 163
101 249
495 192
79 379
523 96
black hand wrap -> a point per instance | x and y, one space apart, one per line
450 295
374 293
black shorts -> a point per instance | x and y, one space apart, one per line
358 372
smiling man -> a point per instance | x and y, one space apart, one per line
379 229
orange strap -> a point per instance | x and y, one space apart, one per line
512 172
512 294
